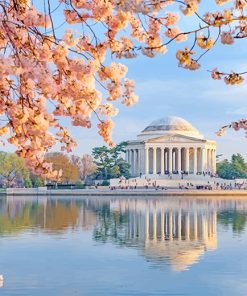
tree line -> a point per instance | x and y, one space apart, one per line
103 164
15 173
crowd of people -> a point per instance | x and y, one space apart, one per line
148 183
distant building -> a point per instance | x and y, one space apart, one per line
171 145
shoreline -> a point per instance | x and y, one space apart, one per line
122 193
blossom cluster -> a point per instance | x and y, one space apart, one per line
236 125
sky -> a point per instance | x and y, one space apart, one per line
164 89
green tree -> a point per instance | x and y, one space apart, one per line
238 163
12 169
225 169
37 181
28 183
232 169
103 161
123 167
109 161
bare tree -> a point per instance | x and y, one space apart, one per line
85 164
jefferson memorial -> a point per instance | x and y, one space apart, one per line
171 145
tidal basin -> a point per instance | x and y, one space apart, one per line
123 246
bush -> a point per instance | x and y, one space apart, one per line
105 183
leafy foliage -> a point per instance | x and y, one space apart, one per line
232 169
12 169
109 161
61 162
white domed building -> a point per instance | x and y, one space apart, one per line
171 145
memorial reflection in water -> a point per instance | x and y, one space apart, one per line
174 231
165 230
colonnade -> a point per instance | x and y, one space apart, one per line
164 160
168 225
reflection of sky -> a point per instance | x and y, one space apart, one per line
71 262
79 266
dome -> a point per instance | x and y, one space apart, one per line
170 125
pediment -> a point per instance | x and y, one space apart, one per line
174 139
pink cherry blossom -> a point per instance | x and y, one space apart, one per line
67 66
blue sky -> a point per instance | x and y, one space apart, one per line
165 89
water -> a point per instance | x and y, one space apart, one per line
110 246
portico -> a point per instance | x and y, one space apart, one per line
170 146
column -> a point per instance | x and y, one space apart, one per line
166 160
154 161
131 162
127 156
179 160
162 166
203 160
187 160
209 160
146 161
195 161
170 161
139 161
134 162
174 160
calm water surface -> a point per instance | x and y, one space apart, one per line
110 246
